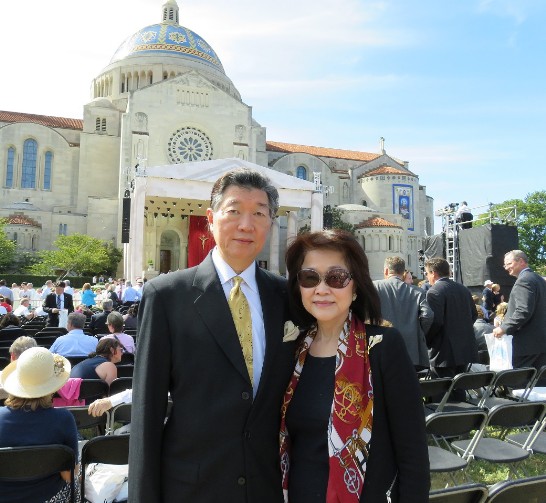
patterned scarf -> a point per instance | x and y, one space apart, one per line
350 424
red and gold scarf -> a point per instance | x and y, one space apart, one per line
350 425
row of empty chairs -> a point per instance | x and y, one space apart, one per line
526 490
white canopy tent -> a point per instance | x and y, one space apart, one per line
190 185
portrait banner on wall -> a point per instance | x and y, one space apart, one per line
402 202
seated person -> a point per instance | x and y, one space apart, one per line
29 419
481 327
500 313
115 327
24 310
75 342
130 318
16 349
98 323
101 363
10 328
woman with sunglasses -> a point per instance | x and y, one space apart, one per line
352 425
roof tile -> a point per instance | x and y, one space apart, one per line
290 148
376 222
44 120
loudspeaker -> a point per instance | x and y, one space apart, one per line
481 252
125 219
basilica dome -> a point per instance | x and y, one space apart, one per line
168 39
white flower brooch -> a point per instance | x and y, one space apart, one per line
291 332
374 339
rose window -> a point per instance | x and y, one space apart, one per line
188 145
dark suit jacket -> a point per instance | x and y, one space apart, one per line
451 338
398 447
98 323
50 303
218 443
525 317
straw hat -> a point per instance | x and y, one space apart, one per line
36 373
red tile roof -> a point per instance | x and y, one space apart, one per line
290 148
388 170
44 120
376 222
23 220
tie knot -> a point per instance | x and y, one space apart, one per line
237 280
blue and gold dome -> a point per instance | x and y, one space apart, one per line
169 39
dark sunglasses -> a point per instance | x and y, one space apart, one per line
334 278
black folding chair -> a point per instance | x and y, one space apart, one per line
120 384
92 389
119 414
442 428
505 418
471 493
24 464
4 362
125 370
503 383
112 450
532 489
475 385
84 421
538 441
52 331
539 376
432 388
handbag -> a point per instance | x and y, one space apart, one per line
500 352
103 482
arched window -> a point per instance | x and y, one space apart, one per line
47 170
103 126
9 167
15 237
301 173
97 124
391 243
34 244
30 149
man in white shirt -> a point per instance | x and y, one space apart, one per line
67 288
47 289
23 309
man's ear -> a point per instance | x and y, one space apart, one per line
386 272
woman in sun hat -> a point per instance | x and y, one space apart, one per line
30 419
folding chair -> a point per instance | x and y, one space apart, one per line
91 389
431 388
471 493
528 490
476 385
539 376
4 362
506 417
442 427
119 414
85 421
512 378
125 370
120 384
24 464
112 450
52 331
538 442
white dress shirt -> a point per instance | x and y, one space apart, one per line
250 289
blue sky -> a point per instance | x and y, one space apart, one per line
457 88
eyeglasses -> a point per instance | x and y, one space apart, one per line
334 278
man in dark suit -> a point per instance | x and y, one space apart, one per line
221 440
56 301
98 323
406 307
525 317
451 341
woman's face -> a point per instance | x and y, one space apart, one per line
116 354
326 304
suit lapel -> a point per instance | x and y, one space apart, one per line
214 311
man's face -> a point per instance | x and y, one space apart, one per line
240 225
59 290
431 276
514 266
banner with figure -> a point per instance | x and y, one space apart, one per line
402 202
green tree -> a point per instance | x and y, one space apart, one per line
531 224
332 218
76 253
7 247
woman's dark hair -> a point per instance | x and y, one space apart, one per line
104 347
10 319
366 306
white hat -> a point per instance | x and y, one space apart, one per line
488 282
36 373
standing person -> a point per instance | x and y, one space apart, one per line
353 426
5 291
464 216
406 307
88 295
220 442
68 289
56 301
488 299
130 295
451 338
525 317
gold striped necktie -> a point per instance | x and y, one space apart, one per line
240 311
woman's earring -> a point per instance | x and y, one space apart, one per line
354 297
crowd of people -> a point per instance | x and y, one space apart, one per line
299 390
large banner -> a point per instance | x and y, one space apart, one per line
402 202
200 240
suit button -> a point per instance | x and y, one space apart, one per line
241 481
247 435
245 395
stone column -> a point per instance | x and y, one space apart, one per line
292 226
317 204
274 247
